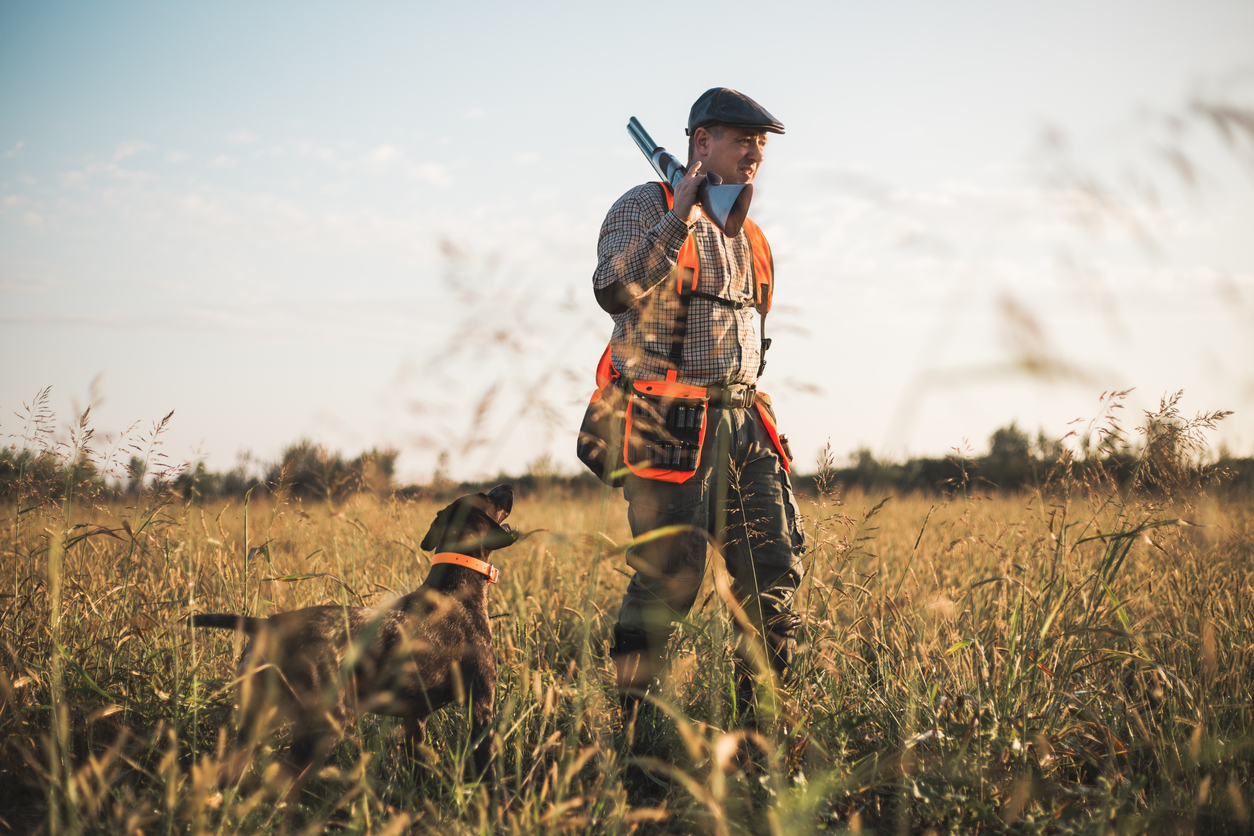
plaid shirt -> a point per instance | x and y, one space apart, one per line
638 247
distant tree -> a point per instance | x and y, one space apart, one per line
1009 460
1049 450
309 471
83 479
197 483
375 470
868 471
136 470
26 474
1010 444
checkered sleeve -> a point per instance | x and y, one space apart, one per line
638 246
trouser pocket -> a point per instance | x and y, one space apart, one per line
796 525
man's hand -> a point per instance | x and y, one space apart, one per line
685 207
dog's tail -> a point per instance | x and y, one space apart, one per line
227 621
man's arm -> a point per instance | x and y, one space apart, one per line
640 242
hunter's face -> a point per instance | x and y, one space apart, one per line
735 154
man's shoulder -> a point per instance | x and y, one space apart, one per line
646 195
641 207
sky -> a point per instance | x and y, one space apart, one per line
375 224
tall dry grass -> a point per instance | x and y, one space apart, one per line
1076 659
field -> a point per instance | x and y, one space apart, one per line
1079 660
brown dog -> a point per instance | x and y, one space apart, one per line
320 666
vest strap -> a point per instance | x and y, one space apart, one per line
473 563
735 305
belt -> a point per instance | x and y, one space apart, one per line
734 396
721 396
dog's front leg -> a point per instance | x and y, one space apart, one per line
313 739
481 733
415 733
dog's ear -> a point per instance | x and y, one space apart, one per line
435 534
502 496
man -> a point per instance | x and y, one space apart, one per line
740 494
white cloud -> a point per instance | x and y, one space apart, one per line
82 177
319 153
70 179
128 149
12 211
177 156
475 113
206 211
384 159
242 138
224 161
12 152
384 154
30 285
433 173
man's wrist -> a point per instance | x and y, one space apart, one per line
673 231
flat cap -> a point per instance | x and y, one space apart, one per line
724 106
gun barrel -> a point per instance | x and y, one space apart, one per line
641 136
663 162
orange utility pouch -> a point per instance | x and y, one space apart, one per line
601 434
652 428
664 429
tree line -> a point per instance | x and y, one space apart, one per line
1014 461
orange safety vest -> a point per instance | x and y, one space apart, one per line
688 265
688 272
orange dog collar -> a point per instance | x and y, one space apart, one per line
480 566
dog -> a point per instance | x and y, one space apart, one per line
319 667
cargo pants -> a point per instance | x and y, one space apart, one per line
742 498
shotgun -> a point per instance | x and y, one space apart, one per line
727 205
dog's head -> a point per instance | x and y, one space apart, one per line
472 525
